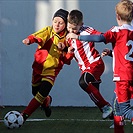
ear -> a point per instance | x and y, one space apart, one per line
118 17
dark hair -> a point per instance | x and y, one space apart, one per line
75 17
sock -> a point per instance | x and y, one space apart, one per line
47 102
126 109
118 124
96 97
32 106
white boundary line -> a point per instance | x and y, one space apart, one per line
82 120
66 120
91 120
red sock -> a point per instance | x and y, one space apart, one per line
33 105
118 124
96 96
46 102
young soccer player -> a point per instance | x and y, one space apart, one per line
121 37
48 61
89 61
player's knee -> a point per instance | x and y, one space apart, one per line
82 84
34 92
35 89
44 92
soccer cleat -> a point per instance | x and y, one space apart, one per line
46 106
107 111
25 116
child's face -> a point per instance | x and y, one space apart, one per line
72 28
58 24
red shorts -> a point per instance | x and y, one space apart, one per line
37 78
96 69
124 91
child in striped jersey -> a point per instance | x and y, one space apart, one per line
89 61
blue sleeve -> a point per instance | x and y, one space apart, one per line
92 38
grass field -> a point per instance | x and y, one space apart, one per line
64 120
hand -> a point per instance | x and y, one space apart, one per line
38 40
61 46
71 36
26 41
105 52
70 50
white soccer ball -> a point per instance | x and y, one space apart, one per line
13 119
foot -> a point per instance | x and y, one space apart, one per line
25 116
46 106
107 111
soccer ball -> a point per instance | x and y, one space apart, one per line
13 119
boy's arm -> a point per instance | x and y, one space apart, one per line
68 56
92 38
66 51
32 39
88 38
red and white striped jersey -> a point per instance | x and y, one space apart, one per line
121 38
85 52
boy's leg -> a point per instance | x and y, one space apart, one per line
123 98
47 102
32 106
97 98
126 110
118 118
46 106
116 109
124 91
38 99
118 124
91 87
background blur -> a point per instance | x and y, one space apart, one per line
18 19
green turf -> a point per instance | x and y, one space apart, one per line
64 120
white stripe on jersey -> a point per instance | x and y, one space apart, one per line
86 48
